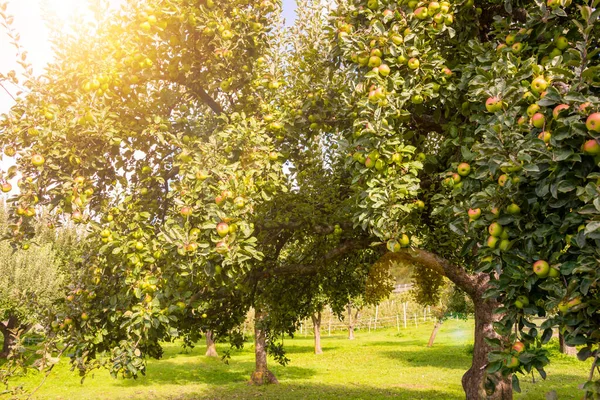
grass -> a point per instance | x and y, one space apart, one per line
378 365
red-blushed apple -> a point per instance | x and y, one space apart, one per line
421 13
463 169
518 347
492 242
512 363
593 122
374 62
495 229
222 229
384 70
38 160
591 147
221 247
541 268
6 187
414 63
559 109
502 179
538 120
474 214
493 104
545 136
186 211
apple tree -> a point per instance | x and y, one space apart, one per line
473 138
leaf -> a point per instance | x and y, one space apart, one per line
546 336
515 384
592 227
584 354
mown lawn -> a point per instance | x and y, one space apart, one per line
378 365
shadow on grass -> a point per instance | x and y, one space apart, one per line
453 357
211 371
315 391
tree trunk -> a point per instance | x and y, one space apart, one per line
350 323
211 349
261 375
564 348
316 319
7 328
436 328
477 383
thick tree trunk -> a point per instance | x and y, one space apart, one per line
261 375
7 328
351 321
564 348
316 319
211 349
436 328
477 383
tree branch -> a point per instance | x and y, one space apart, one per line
472 284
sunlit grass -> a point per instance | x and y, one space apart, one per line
377 365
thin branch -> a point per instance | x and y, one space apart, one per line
6 90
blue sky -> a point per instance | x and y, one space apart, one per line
289 11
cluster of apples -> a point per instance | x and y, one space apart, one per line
454 179
438 12
394 245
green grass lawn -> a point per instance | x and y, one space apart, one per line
377 365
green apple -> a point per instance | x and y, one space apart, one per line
495 229
541 268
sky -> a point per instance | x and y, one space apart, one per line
29 23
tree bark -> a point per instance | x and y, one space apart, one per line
7 328
436 328
261 374
351 321
316 319
477 383
211 349
564 348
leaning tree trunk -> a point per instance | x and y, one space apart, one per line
261 375
564 347
436 328
316 319
476 381
211 349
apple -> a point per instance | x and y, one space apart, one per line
553 4
84 317
374 62
404 240
502 179
521 301
421 13
139 246
444 7
516 48
501 47
456 178
38 160
518 347
77 216
559 109
539 84
591 147
532 109
273 156
384 70
493 104
545 136
370 162
553 273
239 202
504 244
474 214
145 26
393 245
420 204
433 7
495 229
563 307
204 315
220 199
438 18
555 53
186 211
521 121
221 247
421 157
413 63
373 4
593 122
538 120
513 209
541 268
68 321
222 229
6 187
561 42
512 363
463 169
492 242
417 99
